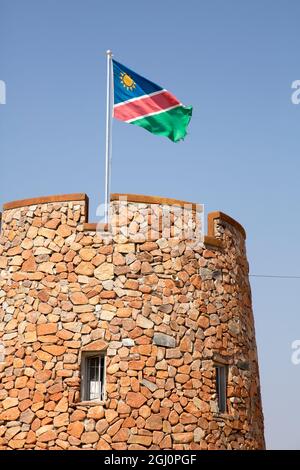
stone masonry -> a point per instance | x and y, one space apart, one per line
163 307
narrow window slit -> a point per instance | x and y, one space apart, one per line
221 386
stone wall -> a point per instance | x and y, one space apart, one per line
163 305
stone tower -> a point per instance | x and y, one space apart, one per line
137 335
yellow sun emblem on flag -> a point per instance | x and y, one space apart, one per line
127 81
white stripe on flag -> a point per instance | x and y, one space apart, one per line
153 114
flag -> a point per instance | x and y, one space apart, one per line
143 103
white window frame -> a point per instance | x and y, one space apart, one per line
85 387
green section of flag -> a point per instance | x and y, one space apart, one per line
172 123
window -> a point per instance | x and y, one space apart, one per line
92 377
221 386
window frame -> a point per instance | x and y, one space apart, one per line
221 380
86 356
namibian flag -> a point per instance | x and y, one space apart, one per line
141 102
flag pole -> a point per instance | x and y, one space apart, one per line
108 134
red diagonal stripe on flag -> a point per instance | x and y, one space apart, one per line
145 105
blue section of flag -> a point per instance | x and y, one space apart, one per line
128 84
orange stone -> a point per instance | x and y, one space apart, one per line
145 411
124 312
203 322
173 417
99 259
107 294
101 426
208 254
64 231
114 428
16 443
43 376
87 254
16 250
148 246
142 440
46 329
154 423
48 339
183 437
96 412
29 265
45 308
145 349
118 259
110 415
55 388
166 443
23 393
64 334
75 429
186 344
182 378
135 400
123 408
122 435
129 423
3 262
43 296
52 223
157 437
78 298
89 437
136 365
54 350
98 345
196 281
103 445
10 415
43 356
31 438
9 402
48 436
78 415
187 418
61 420
62 405
56 258
85 268
24 404
38 397
131 284
70 256
21 381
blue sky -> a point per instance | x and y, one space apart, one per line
234 61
